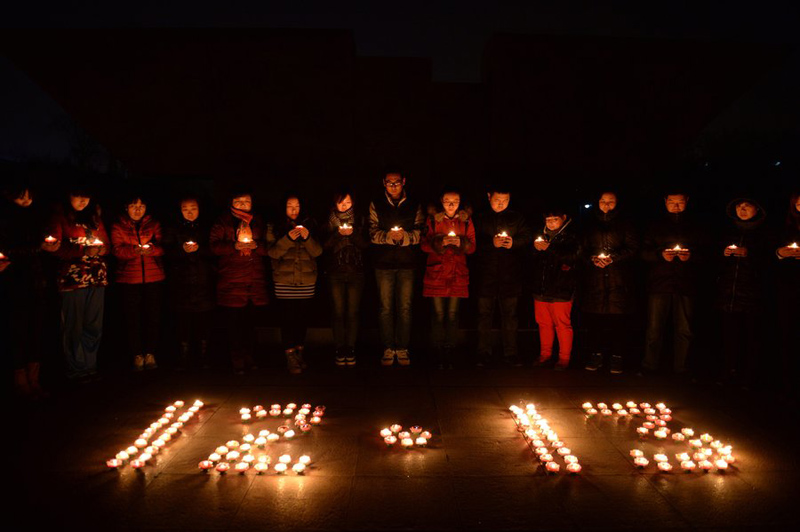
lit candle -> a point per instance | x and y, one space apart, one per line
552 467
245 447
390 440
407 442
665 467
316 420
660 457
261 468
140 443
641 461
396 228
539 239
636 453
232 456
96 242
503 235
688 466
222 449
114 463
677 248
241 467
571 459
630 404
602 256
288 411
733 246
682 457
132 450
705 465
136 464
248 438
50 239
451 234
721 464
305 459
707 438
289 434
563 451
214 457
602 406
285 459
346 226
232 444
793 245
687 432
300 469
280 468
574 468
422 442
222 467
304 428
643 431
545 458
190 243
205 465
587 406
272 438
649 425
261 441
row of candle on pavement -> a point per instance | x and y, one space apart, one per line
143 449
415 435
543 440
243 456
706 454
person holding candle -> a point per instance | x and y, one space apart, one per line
344 244
293 249
191 280
553 282
742 264
81 244
136 238
502 236
23 286
673 248
609 247
449 238
395 230
788 294
238 239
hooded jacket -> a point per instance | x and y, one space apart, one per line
446 272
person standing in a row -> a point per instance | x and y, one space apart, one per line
136 238
238 238
293 249
395 231
449 238
788 295
502 236
609 246
344 243
80 242
554 280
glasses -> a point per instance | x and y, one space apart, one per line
393 183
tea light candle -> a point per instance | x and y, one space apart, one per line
114 463
245 447
214 457
305 459
587 406
721 464
304 428
261 467
665 467
232 456
222 449
503 234
205 465
136 464
699 456
396 428
222 467
563 451
232 444
571 459
315 420
687 432
641 461
602 406
539 239
636 453
545 458
634 411
275 412
390 440
616 406
606 412
300 469
643 431
602 256
280 468
282 430
241 467
285 459
396 228
630 404
272 438
346 226
407 442
649 425
261 414
705 465
422 442
688 466
122 455
706 438
288 412
552 467
451 234
574 468
248 438
660 457
403 434
289 434
591 411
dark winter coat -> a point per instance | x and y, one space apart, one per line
740 280
446 272
191 276
344 254
22 231
609 290
676 276
499 270
128 237
384 214
294 262
788 269
553 273
242 276
75 230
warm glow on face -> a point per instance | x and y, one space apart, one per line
607 202
746 210
25 199
79 202
451 202
243 203
345 204
676 203
499 201
292 208
554 223
190 210
136 210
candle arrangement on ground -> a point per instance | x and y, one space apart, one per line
143 449
251 454
415 436
544 441
706 453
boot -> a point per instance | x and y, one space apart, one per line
183 357
205 362
21 385
33 381
616 364
595 362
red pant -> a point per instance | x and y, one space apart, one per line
554 319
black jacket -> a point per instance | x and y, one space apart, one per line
553 273
21 237
609 290
344 254
740 280
190 276
499 270
676 276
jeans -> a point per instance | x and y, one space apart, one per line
659 308
82 328
508 316
346 290
294 321
444 321
395 290
554 320
240 323
141 309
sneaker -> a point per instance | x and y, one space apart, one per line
616 364
293 362
402 357
388 357
138 363
150 361
595 362
340 359
350 357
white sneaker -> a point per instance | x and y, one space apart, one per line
388 357
402 357
150 361
138 363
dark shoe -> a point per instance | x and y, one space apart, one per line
541 363
595 362
293 362
299 350
561 367
340 359
350 357
514 361
616 364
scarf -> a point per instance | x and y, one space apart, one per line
337 219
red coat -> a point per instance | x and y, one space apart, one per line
241 277
128 237
446 274
76 269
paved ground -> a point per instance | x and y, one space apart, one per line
478 472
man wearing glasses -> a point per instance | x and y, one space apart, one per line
395 228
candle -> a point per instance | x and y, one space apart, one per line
390 440
395 228
563 451
503 235
682 457
282 429
241 467
733 246
545 458
677 248
140 443
641 461
315 420
222 449
232 444
552 467
261 441
636 453
665 467
305 459
272 438
422 442
587 406
630 404
705 465
145 246
346 226
248 438
214 457
285 459
707 438
602 256
688 466
386 432
275 412
793 245
205 465
136 464
245 240
451 234
232 456
114 463
602 406
643 431
616 406
687 432
222 467
299 468
289 434
721 464
649 425
574 468
539 239
660 457
407 442
50 239
245 447
190 243
280 468
729 458
132 450
261 468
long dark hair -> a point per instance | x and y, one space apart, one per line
90 216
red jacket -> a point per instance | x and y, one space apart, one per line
446 274
77 269
128 237
242 277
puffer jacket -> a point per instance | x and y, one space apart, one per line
740 280
499 270
609 290
446 273
127 238
553 274
76 269
293 261
242 277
